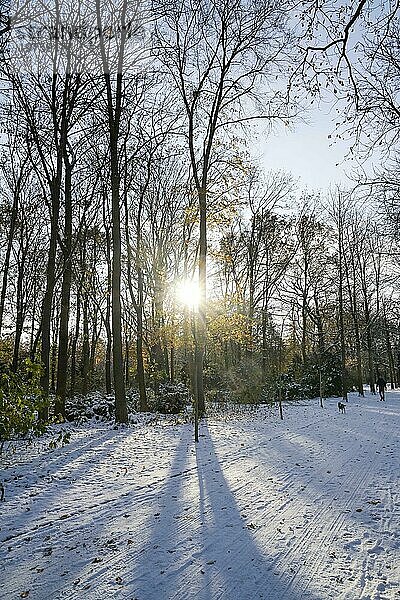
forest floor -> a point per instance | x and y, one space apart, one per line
304 508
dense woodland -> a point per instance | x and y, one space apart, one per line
127 171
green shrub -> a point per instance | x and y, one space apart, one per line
20 401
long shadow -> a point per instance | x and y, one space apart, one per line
159 562
45 514
241 569
201 546
47 483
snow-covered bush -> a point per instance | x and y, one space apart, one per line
94 405
171 399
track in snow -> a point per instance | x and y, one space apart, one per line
307 508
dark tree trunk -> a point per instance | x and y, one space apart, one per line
107 322
6 265
172 364
32 348
389 350
62 365
127 360
114 108
108 364
48 295
201 325
85 359
20 311
139 345
75 339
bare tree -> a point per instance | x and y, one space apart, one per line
218 54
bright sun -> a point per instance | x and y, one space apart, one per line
188 293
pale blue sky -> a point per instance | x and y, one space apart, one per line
307 152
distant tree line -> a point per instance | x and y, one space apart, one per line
125 171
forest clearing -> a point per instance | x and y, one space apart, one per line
304 508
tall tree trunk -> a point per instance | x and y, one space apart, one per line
368 323
127 361
357 337
48 295
107 321
172 364
201 325
304 313
114 116
139 344
121 414
341 307
62 364
6 265
108 362
137 302
53 361
351 287
75 339
20 311
93 346
85 359
389 350
32 349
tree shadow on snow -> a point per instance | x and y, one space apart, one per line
201 545
241 569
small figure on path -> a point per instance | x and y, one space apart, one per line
381 383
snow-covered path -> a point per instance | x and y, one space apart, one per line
304 508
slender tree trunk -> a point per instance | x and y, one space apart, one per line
6 265
75 339
201 326
172 363
93 346
121 414
127 360
304 314
85 360
32 350
20 311
341 309
139 344
264 343
108 363
351 287
48 295
107 322
389 350
371 378
114 107
53 362
137 302
62 364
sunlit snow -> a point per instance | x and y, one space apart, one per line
304 508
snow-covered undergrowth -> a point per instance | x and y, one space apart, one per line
172 398
305 508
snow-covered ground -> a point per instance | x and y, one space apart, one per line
308 507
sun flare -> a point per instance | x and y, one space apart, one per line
188 293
